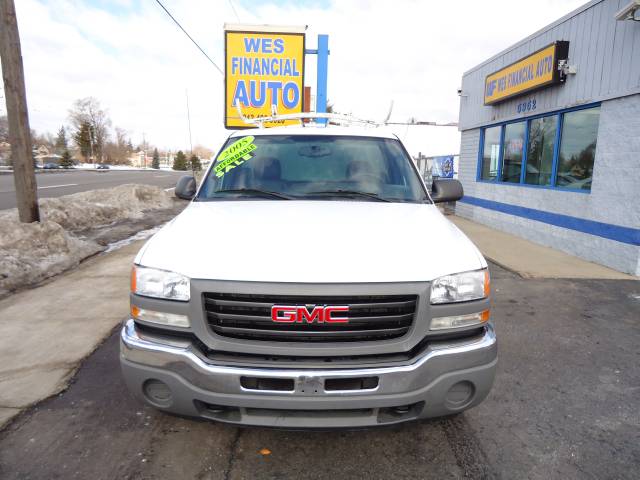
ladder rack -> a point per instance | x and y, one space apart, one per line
313 116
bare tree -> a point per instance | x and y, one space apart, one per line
88 110
42 139
202 152
122 147
121 137
4 129
117 152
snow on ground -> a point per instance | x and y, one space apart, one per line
30 253
95 208
92 166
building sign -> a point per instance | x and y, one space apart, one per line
264 69
538 70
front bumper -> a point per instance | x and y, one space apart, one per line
446 377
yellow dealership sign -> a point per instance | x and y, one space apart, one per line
264 72
538 70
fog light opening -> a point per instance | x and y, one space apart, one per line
460 395
402 409
218 412
157 393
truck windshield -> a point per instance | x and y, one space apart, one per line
313 167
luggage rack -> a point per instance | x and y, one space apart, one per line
330 118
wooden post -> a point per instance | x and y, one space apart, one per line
18 117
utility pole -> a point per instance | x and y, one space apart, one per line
189 122
24 176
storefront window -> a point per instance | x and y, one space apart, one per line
491 153
578 148
542 135
512 154
557 156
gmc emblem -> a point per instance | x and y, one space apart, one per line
301 314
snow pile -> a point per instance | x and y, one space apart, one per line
95 208
103 207
30 253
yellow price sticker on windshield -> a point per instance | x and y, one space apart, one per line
234 155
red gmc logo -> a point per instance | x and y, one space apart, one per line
301 314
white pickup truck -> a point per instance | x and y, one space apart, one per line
311 283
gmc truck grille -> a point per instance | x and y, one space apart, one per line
248 316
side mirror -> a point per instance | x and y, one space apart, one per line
186 187
446 190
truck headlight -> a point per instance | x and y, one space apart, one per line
460 287
151 282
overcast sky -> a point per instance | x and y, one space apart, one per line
129 55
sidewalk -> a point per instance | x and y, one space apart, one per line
529 259
45 332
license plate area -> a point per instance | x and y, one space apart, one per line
309 385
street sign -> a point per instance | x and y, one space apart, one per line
264 72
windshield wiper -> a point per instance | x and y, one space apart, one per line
350 193
256 191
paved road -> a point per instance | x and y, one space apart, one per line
65 183
564 406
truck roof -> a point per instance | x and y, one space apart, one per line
314 129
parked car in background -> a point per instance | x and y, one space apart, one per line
50 166
103 166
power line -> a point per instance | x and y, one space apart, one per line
234 11
190 38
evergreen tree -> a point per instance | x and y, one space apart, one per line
155 163
194 163
83 139
180 162
66 161
61 141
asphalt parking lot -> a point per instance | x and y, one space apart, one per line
564 405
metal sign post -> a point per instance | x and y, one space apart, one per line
322 74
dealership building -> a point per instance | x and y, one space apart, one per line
550 147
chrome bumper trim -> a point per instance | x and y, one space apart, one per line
131 340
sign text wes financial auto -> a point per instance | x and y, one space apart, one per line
263 70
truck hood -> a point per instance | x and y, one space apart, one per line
311 242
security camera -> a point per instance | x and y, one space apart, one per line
459 91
